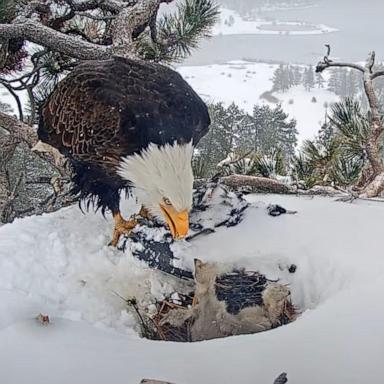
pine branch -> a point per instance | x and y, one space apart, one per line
180 32
125 24
56 41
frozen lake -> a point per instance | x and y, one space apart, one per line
359 24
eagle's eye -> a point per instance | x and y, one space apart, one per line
167 201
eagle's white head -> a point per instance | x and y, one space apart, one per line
163 181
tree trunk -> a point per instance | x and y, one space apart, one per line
375 187
373 152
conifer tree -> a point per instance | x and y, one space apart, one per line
333 83
309 78
277 79
297 75
320 80
353 84
221 138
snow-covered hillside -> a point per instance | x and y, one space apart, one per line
59 264
243 83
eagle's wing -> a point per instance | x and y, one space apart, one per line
108 109
79 124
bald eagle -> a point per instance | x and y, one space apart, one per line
128 125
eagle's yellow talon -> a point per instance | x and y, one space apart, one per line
122 227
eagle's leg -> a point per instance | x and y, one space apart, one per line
122 227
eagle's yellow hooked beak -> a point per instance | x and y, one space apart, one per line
178 222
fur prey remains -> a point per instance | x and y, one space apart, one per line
161 172
210 318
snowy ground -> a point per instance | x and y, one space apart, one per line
231 23
59 264
244 82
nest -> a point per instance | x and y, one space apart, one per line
238 289
167 332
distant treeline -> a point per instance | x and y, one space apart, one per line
342 81
287 76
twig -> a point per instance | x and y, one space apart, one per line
17 99
133 303
95 17
282 379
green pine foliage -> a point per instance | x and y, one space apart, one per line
179 33
267 139
251 164
220 139
338 156
352 127
302 171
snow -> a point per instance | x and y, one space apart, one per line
59 264
231 23
244 83
309 115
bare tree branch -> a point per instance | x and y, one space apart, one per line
321 66
106 5
57 41
95 17
370 61
377 74
26 76
282 379
128 18
127 21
